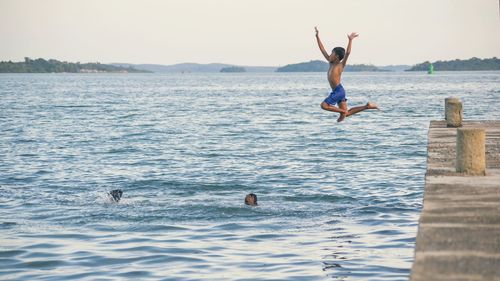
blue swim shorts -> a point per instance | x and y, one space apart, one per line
336 96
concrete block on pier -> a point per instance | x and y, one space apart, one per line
471 154
453 112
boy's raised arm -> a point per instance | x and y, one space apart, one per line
348 51
320 45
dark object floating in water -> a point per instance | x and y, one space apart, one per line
116 194
251 199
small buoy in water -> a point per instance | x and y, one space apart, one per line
430 70
251 199
116 195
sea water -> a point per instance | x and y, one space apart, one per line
336 200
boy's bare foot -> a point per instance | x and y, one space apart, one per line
341 117
371 105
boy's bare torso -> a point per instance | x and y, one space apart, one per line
334 73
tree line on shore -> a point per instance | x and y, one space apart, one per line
54 66
473 64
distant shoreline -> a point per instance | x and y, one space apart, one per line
472 64
54 66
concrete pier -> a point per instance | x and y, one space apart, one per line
459 227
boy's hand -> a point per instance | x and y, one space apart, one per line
352 36
316 29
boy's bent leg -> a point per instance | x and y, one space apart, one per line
357 109
343 106
332 108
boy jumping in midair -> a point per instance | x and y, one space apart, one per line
337 60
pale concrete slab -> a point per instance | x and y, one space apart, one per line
459 227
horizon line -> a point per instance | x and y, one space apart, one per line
243 65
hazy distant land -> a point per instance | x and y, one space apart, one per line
54 66
322 66
233 69
312 66
194 67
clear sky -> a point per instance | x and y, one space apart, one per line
247 32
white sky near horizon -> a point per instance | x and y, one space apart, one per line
247 32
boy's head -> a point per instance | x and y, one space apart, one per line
339 52
251 199
116 195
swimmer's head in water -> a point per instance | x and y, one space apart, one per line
339 52
251 199
116 194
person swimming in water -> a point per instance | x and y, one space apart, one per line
251 199
115 195
337 60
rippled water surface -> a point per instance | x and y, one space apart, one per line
336 201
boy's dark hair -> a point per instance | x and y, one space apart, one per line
339 52
116 194
251 199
